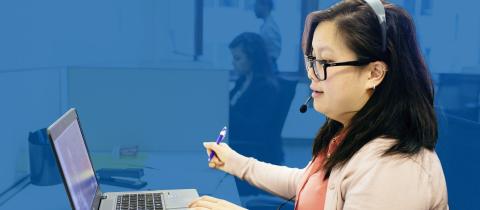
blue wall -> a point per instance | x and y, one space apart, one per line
44 44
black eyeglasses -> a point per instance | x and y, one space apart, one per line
311 63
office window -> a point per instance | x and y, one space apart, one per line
456 27
208 3
224 21
426 54
229 3
249 4
426 7
409 5
478 62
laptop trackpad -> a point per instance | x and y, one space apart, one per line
179 198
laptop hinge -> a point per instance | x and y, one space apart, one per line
98 198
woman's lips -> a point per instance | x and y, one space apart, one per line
316 93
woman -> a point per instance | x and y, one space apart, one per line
254 123
376 149
253 99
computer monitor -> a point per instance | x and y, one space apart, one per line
74 160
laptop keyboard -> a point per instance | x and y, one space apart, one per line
147 201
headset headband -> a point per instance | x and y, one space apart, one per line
379 10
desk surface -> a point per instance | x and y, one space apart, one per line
165 170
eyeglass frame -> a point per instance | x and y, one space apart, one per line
310 63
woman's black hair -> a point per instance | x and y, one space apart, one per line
254 47
401 107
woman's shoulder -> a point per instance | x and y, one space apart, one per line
373 153
370 171
370 162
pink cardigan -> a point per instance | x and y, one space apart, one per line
368 181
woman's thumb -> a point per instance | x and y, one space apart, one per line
211 146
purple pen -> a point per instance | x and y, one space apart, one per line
220 138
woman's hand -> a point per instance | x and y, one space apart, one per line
223 153
211 203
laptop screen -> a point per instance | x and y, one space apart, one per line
76 166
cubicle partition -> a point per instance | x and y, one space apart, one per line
30 99
156 109
163 113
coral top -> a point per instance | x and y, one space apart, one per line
313 188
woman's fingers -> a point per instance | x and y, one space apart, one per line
215 147
200 208
215 162
211 199
208 202
214 165
203 204
217 158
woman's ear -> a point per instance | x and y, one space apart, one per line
377 72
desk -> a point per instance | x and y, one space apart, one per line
164 170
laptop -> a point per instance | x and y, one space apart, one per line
73 159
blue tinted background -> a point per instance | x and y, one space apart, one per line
157 75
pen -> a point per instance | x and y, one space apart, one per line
220 138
